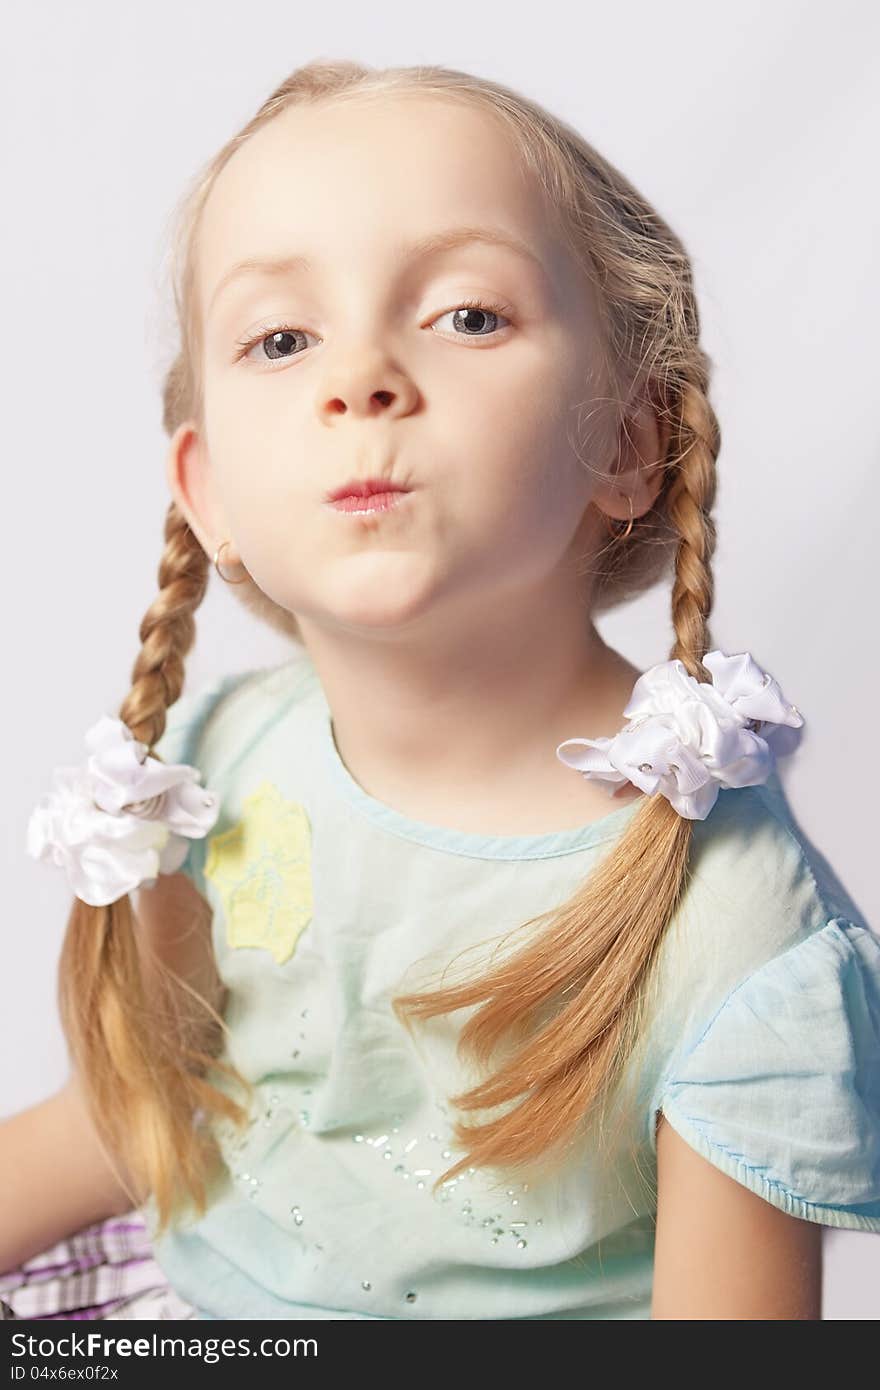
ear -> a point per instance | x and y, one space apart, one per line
637 471
193 486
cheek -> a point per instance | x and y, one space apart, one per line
519 460
260 466
545 510
519 520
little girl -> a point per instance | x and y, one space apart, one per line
377 1005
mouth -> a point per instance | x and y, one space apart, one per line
368 496
371 503
364 488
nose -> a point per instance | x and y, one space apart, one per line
366 385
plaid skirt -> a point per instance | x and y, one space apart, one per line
104 1271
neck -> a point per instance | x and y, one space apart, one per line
462 730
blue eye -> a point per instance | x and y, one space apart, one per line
268 334
281 337
474 308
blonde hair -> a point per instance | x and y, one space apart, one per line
568 1007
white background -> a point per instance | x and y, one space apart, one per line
752 128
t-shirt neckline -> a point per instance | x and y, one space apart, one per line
451 841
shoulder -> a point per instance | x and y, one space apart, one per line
755 887
211 724
752 841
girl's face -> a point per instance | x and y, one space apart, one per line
363 362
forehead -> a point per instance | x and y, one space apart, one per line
335 181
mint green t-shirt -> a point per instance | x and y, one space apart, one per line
762 1046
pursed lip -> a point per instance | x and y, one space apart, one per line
365 487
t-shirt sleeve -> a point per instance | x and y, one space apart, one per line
187 723
782 1089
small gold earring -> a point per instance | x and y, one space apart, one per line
217 553
622 535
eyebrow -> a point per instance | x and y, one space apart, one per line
432 245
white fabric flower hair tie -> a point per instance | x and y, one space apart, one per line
687 739
121 818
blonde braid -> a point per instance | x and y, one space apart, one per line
167 631
691 497
140 1038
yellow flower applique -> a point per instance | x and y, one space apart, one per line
262 869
